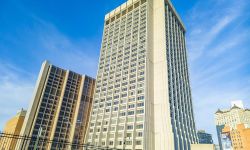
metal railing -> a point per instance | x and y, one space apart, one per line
10 141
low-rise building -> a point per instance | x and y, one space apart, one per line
230 117
239 136
202 147
204 138
13 126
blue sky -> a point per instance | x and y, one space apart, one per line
68 33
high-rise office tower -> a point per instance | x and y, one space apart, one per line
142 98
60 108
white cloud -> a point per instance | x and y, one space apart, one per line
42 40
207 21
16 90
77 55
217 41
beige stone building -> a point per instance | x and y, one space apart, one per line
60 108
13 126
203 147
233 116
143 98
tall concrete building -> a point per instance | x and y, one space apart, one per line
231 118
13 126
143 98
60 108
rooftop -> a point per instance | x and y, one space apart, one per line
219 111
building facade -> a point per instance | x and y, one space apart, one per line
60 108
231 118
240 136
142 98
203 147
13 126
204 138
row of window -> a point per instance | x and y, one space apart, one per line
128 142
107 110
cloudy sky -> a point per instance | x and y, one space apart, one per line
68 34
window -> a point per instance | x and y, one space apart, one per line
129 135
133 81
130 127
140 111
103 142
140 98
139 91
139 134
131 106
138 142
124 95
131 99
131 113
123 114
141 79
124 89
108 104
132 87
130 120
116 102
139 126
111 142
140 104
128 142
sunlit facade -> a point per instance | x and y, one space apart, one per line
142 98
13 126
60 108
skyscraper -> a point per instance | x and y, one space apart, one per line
60 108
142 98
